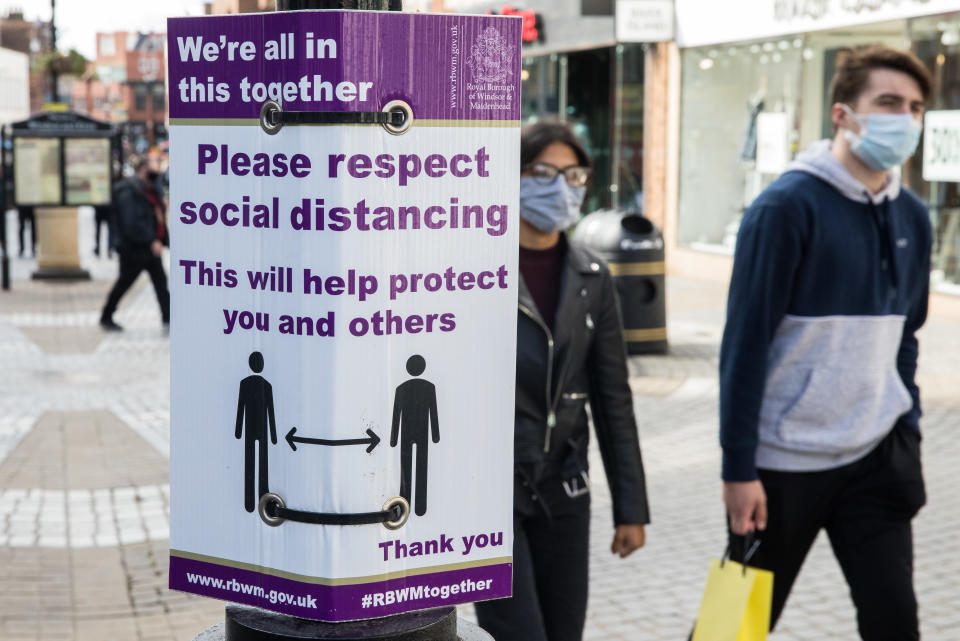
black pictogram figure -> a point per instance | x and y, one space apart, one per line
414 413
255 404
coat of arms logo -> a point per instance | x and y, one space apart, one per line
491 58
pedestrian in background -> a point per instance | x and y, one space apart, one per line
819 409
570 351
140 236
102 216
25 215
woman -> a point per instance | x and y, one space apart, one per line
569 350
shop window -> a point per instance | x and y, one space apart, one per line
936 41
588 98
540 88
737 101
747 109
585 88
627 165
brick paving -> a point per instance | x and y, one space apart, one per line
84 427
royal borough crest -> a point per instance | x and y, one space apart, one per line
491 57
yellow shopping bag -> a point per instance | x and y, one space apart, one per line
736 603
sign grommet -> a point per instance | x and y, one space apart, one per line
401 107
270 118
404 509
270 499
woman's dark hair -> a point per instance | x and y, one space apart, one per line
537 137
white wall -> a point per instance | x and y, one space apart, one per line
14 86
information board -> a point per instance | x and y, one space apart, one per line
87 170
344 307
36 171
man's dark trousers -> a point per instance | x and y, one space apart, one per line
134 260
866 508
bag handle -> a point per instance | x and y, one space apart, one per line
750 544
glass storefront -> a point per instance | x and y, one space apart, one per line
747 109
600 93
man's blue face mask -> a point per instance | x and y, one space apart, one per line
885 140
550 207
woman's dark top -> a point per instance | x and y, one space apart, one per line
542 269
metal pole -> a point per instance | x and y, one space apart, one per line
55 92
4 179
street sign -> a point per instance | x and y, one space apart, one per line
344 287
644 20
941 146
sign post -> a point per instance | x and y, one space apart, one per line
343 211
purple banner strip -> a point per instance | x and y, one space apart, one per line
341 602
446 66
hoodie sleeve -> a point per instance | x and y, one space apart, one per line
769 252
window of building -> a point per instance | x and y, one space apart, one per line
140 96
159 96
108 44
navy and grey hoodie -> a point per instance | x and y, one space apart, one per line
829 286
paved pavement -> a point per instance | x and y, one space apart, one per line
84 497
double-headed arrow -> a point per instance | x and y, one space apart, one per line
371 441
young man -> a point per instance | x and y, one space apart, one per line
819 410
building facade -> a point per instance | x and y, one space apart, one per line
126 84
32 38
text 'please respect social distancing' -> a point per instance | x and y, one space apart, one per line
314 213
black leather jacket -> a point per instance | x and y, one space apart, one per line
557 373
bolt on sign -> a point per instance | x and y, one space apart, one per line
344 212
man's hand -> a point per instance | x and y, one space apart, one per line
746 504
156 248
626 539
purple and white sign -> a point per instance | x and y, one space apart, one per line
343 326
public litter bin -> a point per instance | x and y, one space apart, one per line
632 246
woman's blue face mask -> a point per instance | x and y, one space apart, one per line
550 207
884 140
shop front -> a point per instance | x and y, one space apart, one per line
755 93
